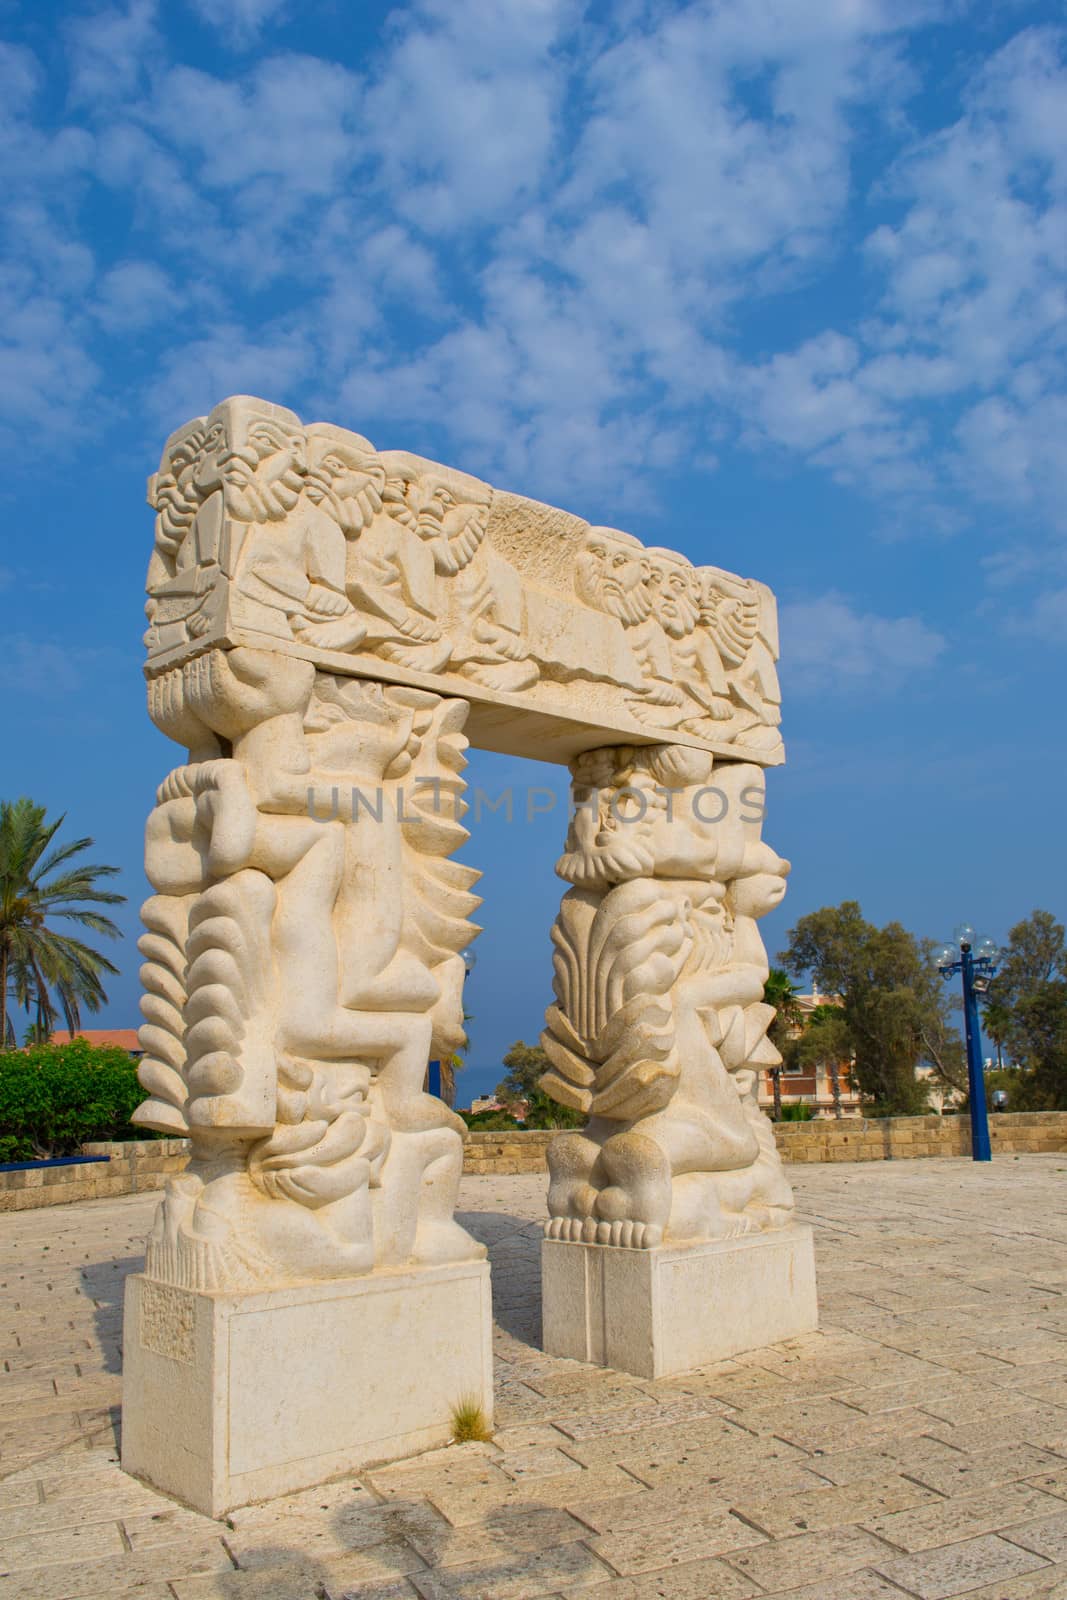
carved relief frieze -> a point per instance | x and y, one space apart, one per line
384 564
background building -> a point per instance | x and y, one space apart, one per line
811 1086
120 1038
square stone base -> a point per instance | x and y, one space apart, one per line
231 1398
658 1312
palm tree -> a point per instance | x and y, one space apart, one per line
782 993
41 968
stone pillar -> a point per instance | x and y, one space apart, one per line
671 1240
308 1303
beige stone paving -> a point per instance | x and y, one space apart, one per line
917 1445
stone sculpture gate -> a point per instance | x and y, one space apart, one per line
328 627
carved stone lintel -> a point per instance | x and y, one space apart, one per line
308 541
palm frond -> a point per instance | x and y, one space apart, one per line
46 969
62 853
80 883
93 920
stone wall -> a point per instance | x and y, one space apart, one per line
903 1138
132 1168
507 1151
146 1164
850 1139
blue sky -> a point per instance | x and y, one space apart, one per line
779 284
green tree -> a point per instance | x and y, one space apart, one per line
825 1042
892 1002
782 993
544 1112
55 1097
526 1063
1026 1011
42 969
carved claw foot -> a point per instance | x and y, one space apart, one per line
636 1179
624 1233
618 1194
571 1159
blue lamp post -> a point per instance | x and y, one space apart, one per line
976 964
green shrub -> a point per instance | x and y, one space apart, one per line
488 1121
547 1113
798 1112
54 1097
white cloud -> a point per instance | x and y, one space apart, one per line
240 22
1014 452
46 374
709 151
43 668
975 268
973 314
196 374
464 107
110 51
1048 618
46 369
134 295
1041 618
811 396
829 646
286 127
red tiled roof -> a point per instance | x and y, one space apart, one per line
124 1038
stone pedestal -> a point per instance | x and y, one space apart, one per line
675 1308
232 1398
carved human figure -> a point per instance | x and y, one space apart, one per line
735 614
479 592
235 483
611 574
650 973
301 966
656 595
389 572
184 589
695 663
289 569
